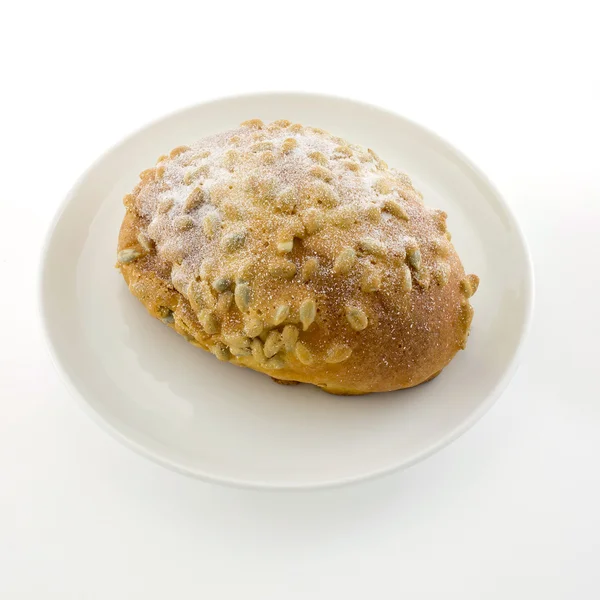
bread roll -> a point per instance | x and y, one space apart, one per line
295 253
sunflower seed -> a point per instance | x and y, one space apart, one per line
344 261
440 247
165 205
233 241
405 279
303 354
283 269
289 336
275 363
423 277
242 296
209 322
183 222
308 312
256 347
309 268
179 150
281 314
321 173
221 351
273 344
224 302
318 157
370 281
285 246
374 213
253 124
128 255
469 285
342 151
193 174
267 158
442 273
286 202
357 318
372 246
288 145
351 165
210 224
338 354
261 147
313 220
253 327
413 255
383 186
394 208
194 200
200 295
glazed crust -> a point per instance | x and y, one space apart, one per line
294 253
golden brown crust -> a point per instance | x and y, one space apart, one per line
291 252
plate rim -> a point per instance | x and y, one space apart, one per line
482 408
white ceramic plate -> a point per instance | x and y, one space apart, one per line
184 409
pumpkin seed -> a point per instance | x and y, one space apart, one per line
221 284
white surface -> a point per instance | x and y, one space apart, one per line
510 510
184 409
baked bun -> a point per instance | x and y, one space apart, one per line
290 251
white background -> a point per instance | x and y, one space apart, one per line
510 510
